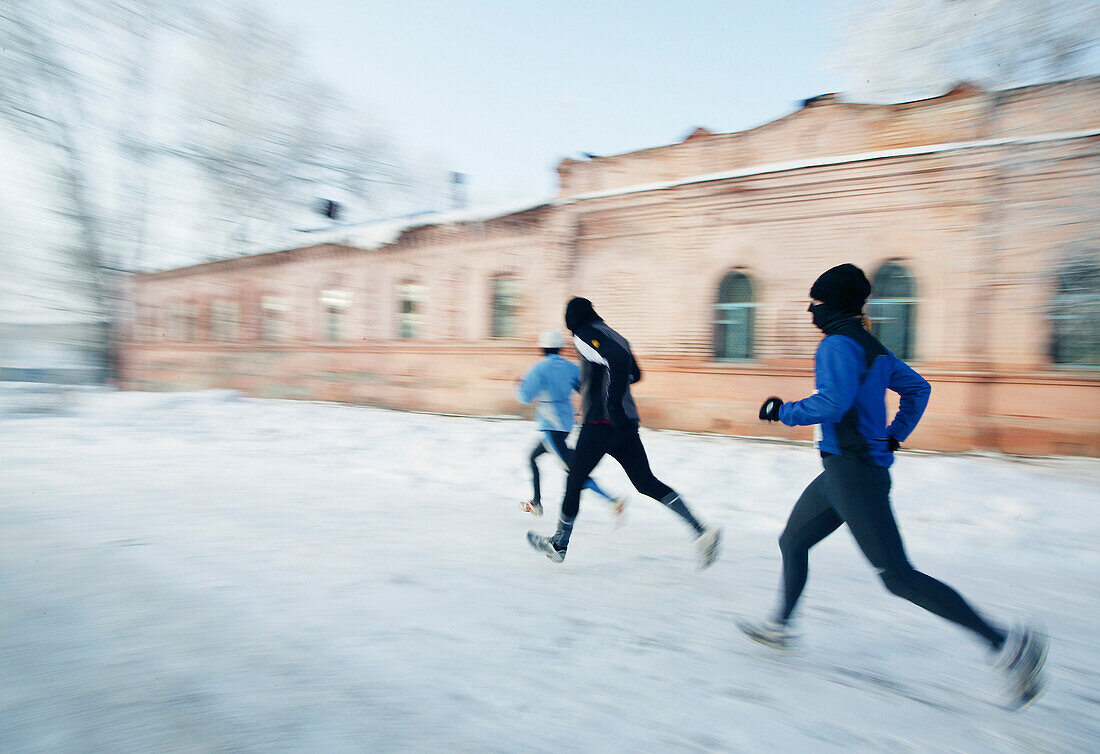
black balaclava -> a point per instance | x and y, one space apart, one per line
843 290
579 312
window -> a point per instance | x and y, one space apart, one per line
734 318
504 319
274 318
892 309
335 305
410 306
224 319
1075 314
146 321
183 321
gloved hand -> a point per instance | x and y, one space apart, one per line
769 412
893 444
623 424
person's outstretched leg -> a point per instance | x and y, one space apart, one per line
537 451
630 453
556 443
591 447
590 484
811 520
861 494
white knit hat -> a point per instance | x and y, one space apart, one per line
550 339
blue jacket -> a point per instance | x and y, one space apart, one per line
550 383
852 372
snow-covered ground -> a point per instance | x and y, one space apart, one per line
205 572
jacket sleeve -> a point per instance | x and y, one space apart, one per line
838 367
530 385
915 392
635 370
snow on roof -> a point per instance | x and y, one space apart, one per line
374 234
378 233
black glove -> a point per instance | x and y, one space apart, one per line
623 424
893 444
769 412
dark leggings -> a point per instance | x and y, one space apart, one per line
554 442
858 494
598 440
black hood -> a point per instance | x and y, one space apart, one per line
579 312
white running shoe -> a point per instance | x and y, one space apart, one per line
1021 660
618 510
708 544
530 506
546 546
769 633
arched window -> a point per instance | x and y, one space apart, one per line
183 321
504 319
334 310
274 318
1075 314
733 318
225 319
411 298
893 309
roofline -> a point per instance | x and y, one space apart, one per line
778 167
399 227
245 260
837 98
782 167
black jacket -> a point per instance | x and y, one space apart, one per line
608 369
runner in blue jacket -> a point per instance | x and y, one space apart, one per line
853 371
550 384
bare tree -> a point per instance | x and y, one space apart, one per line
45 96
147 116
908 49
269 138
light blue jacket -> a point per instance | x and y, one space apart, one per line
550 384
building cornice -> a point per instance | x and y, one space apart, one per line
831 161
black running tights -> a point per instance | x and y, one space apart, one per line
596 441
858 494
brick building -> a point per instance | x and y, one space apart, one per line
976 214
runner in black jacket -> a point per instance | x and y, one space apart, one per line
610 427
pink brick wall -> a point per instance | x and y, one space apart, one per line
982 231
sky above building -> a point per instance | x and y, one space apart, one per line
502 91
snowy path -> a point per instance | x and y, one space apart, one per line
201 572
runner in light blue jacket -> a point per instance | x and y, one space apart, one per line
549 384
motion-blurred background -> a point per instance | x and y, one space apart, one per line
209 204
384 203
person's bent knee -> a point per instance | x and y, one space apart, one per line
900 581
789 542
657 490
574 484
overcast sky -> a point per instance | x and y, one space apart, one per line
503 90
